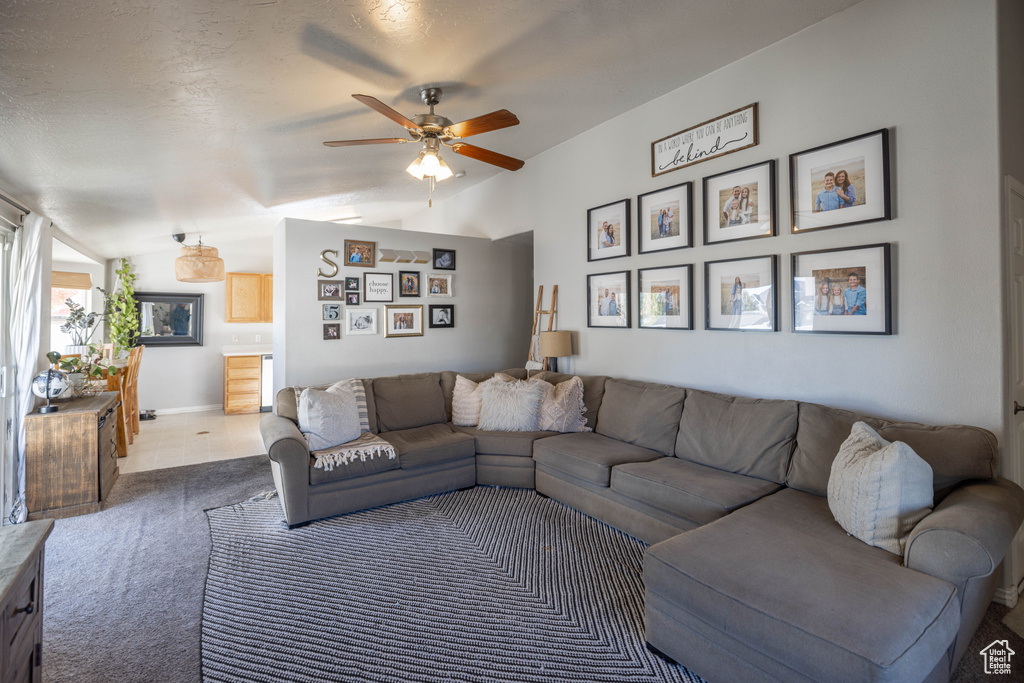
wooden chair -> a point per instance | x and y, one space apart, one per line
125 435
56 366
108 352
131 386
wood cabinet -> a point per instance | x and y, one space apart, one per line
71 457
242 384
21 600
249 297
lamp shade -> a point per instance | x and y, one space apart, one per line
555 344
199 264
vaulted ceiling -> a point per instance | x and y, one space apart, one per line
128 120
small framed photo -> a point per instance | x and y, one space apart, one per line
842 183
439 284
444 259
403 321
379 287
740 294
351 284
360 321
328 290
359 253
664 219
843 291
666 297
409 283
442 315
740 204
608 231
352 298
332 311
332 331
608 299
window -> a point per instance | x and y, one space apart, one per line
59 313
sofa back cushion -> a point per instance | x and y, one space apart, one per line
955 453
593 391
448 382
286 403
749 436
407 401
641 413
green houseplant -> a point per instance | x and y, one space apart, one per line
79 324
120 309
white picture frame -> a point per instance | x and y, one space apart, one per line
361 321
403 321
440 285
378 287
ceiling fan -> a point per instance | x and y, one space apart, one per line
434 131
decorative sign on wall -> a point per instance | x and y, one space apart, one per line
723 135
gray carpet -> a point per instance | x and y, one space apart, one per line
486 584
124 586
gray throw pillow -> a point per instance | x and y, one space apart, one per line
328 418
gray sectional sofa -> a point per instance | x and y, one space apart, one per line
748 577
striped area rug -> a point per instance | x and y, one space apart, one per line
486 584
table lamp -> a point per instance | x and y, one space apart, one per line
555 345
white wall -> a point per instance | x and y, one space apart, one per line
924 69
192 377
492 298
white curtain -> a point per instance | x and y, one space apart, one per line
26 311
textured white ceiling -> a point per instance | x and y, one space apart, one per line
128 120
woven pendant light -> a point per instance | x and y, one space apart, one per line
199 264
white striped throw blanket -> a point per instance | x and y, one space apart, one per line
367 446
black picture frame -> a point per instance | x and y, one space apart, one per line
647 202
441 308
832 268
619 282
756 305
444 259
332 331
351 284
766 224
162 309
352 298
872 150
408 283
601 218
647 312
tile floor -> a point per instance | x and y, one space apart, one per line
179 439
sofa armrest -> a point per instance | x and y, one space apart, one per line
968 533
289 459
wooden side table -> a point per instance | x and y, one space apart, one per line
21 600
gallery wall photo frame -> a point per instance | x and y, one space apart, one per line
403 321
332 312
608 231
608 299
444 259
352 298
360 253
360 321
442 315
664 219
329 290
818 201
740 204
378 287
742 294
843 291
408 283
352 284
440 285
332 331
665 297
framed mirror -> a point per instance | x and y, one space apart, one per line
168 319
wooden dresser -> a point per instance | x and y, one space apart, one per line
242 384
21 601
71 457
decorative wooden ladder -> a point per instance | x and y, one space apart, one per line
534 361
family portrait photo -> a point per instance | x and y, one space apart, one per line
842 291
841 183
608 299
741 294
439 285
361 320
351 284
358 253
329 290
332 331
352 298
665 297
408 283
442 315
608 231
739 204
665 218
403 321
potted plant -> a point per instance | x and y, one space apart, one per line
120 309
82 371
80 325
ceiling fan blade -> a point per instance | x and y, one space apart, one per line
487 156
373 141
381 108
496 120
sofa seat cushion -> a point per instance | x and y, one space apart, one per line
782 578
504 443
641 413
588 456
430 444
408 401
352 470
698 493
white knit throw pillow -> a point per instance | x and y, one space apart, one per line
878 491
562 407
465 402
328 418
510 406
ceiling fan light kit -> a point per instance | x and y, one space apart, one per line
199 263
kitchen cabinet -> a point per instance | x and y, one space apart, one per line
249 297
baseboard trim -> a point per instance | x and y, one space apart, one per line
188 409
1007 595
